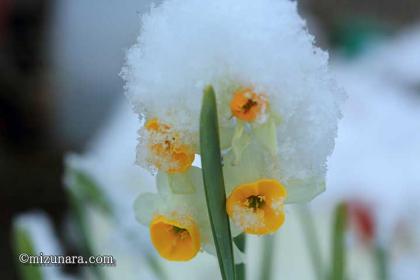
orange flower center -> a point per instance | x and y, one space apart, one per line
167 150
175 240
247 105
257 207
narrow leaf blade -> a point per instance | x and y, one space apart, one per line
211 162
338 246
312 240
23 244
240 268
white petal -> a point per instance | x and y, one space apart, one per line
240 141
145 206
267 135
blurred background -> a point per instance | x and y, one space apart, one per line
67 139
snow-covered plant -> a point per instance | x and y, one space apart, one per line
277 103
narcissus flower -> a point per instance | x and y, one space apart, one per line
273 86
175 239
178 220
278 109
257 207
247 105
165 148
177 215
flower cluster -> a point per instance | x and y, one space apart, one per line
278 108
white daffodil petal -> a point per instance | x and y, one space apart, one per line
196 178
234 230
181 183
209 247
145 206
226 136
162 183
240 141
276 117
299 191
266 134
250 168
177 183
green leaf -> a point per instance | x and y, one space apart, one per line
240 242
312 241
338 247
211 162
381 261
79 215
23 244
85 187
240 271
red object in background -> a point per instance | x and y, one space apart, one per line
362 217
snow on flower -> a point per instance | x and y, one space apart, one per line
278 105
257 208
165 148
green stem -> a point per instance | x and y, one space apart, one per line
269 242
381 259
312 240
240 242
338 246
211 162
240 270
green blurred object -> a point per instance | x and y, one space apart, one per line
312 240
83 191
338 261
381 258
155 266
353 36
23 244
211 162
88 191
240 271
78 214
